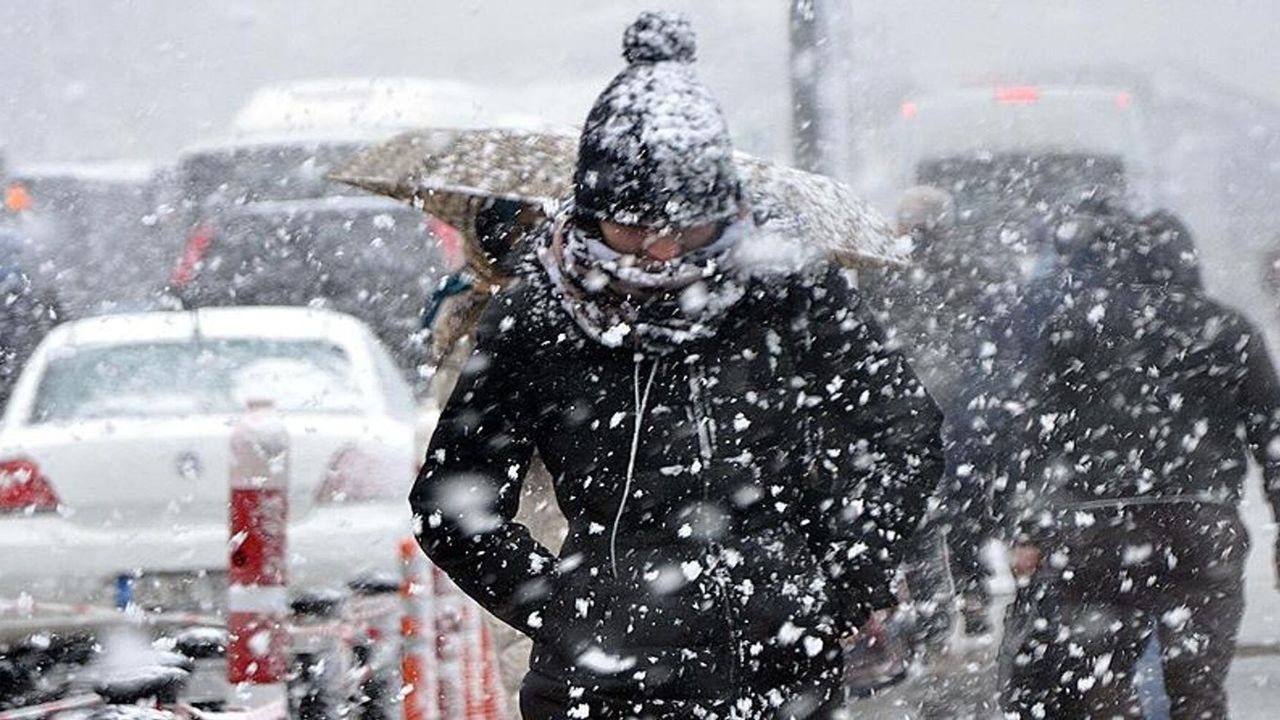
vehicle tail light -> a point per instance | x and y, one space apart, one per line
1018 95
356 476
909 110
17 198
194 252
23 489
1123 100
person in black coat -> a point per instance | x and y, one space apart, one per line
738 455
937 309
29 309
1150 398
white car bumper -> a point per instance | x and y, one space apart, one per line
55 560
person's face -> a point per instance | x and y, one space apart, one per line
658 245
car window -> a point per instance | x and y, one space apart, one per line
171 379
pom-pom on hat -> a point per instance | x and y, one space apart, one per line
658 37
655 150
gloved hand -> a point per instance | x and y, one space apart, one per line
877 655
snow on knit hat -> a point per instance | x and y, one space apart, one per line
655 149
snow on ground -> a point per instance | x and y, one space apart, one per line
1261 626
1253 687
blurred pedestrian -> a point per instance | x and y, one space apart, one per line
932 311
28 309
493 242
1149 398
738 455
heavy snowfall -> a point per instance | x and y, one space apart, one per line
613 359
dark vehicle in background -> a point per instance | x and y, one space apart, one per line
1013 156
369 257
254 169
1013 159
93 233
255 222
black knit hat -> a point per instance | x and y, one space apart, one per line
655 150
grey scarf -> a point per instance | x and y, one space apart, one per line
618 301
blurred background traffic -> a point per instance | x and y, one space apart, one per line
124 119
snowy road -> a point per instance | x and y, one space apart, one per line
1254 687
1261 625
967 691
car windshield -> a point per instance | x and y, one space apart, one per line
173 379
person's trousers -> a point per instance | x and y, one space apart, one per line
1075 633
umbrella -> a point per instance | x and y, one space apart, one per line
450 173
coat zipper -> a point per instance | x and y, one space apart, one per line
706 427
641 405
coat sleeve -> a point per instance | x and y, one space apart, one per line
1259 402
468 490
876 447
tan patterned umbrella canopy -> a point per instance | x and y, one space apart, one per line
449 173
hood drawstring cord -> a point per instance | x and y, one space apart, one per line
641 404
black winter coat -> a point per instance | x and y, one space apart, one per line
733 506
27 314
1144 394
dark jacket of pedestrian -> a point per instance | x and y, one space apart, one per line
738 455
1146 388
28 310
1150 399
734 506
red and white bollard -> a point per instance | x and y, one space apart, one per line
257 603
417 635
469 637
451 674
448 660
479 663
491 701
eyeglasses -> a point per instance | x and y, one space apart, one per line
663 244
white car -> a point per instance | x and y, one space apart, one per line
114 453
